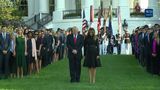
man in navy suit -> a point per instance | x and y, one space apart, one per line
4 52
47 48
75 43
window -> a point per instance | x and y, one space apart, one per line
51 6
23 7
78 4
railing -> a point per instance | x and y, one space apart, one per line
33 20
114 12
46 19
39 20
72 14
30 21
75 14
134 13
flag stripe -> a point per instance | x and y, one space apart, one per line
84 22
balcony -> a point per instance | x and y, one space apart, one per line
134 14
72 14
114 12
76 14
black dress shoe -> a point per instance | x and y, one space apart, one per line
72 81
78 80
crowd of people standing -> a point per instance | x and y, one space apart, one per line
146 47
24 51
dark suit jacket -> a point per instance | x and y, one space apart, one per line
47 42
62 39
78 46
5 43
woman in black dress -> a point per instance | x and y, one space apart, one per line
31 52
38 46
91 53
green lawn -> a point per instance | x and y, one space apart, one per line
117 73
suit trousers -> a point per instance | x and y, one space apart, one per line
4 64
75 67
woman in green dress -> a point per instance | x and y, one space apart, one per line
20 52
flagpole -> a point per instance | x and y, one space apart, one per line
91 15
110 18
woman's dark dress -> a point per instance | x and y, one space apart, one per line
29 51
38 43
91 47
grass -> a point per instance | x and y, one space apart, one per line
117 73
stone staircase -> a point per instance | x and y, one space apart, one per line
38 21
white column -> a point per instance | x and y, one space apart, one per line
154 5
59 8
31 8
124 8
97 4
36 6
60 5
114 3
43 6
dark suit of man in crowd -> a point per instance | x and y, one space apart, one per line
4 52
142 48
62 43
75 43
148 50
47 48
48 41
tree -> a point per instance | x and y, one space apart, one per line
9 10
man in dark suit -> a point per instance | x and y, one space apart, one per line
47 48
148 50
4 52
62 43
142 48
75 43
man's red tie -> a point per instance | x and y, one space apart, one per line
75 39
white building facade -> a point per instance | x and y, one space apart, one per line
60 8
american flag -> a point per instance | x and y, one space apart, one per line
84 22
99 21
119 21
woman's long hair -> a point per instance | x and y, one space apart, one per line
91 30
